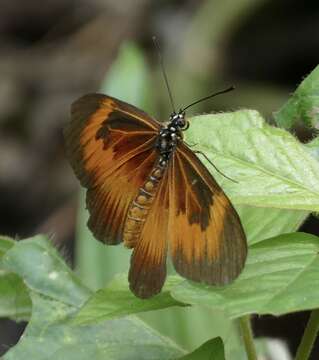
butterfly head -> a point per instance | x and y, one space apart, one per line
178 120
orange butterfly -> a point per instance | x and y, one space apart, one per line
147 188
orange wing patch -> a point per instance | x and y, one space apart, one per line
111 147
207 241
109 202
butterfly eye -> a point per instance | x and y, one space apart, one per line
181 122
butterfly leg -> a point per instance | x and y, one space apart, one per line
227 177
190 145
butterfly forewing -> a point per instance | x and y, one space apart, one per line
207 241
111 147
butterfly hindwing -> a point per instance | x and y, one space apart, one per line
110 145
207 241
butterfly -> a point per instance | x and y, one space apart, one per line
148 189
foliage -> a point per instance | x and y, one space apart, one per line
303 106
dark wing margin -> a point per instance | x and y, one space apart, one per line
148 261
207 240
111 147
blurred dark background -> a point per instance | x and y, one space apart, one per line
53 51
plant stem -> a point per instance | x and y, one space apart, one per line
248 337
309 336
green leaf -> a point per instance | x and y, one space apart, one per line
56 295
281 276
15 302
49 336
44 271
5 244
271 167
212 350
313 148
303 106
116 300
191 326
264 223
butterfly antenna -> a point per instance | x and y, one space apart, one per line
163 71
209 97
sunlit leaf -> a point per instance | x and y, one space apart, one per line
271 167
313 148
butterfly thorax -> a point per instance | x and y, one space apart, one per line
168 138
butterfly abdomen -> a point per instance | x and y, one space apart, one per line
140 206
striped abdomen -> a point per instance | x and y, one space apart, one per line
140 206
